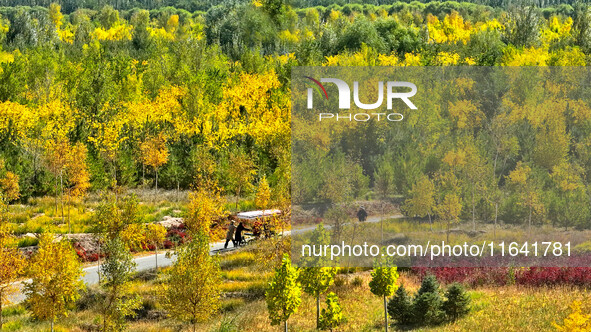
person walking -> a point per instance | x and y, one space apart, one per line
238 238
230 234
362 214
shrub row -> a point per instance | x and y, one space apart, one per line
529 276
428 307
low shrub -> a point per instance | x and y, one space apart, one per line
231 304
357 281
12 326
13 311
90 298
339 282
28 242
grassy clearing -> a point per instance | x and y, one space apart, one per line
41 215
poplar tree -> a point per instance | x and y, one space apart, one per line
116 272
192 288
155 235
55 279
155 153
283 294
332 315
384 282
316 278
263 194
421 199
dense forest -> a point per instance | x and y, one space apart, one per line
69 6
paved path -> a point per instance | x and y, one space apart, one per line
372 219
145 263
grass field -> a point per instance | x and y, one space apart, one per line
507 308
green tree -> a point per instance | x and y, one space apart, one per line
457 302
315 281
421 200
55 279
332 315
241 173
427 305
337 217
283 294
522 28
116 272
192 288
384 282
475 171
400 306
384 186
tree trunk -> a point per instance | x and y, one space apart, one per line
68 205
1 318
448 222
529 218
156 179
318 311
62 195
56 204
382 221
285 325
473 211
352 241
156 250
52 325
430 222
496 216
386 313
98 269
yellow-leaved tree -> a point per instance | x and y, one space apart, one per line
576 321
56 160
9 183
192 288
205 207
528 189
155 234
68 165
263 196
450 204
55 279
421 200
155 153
